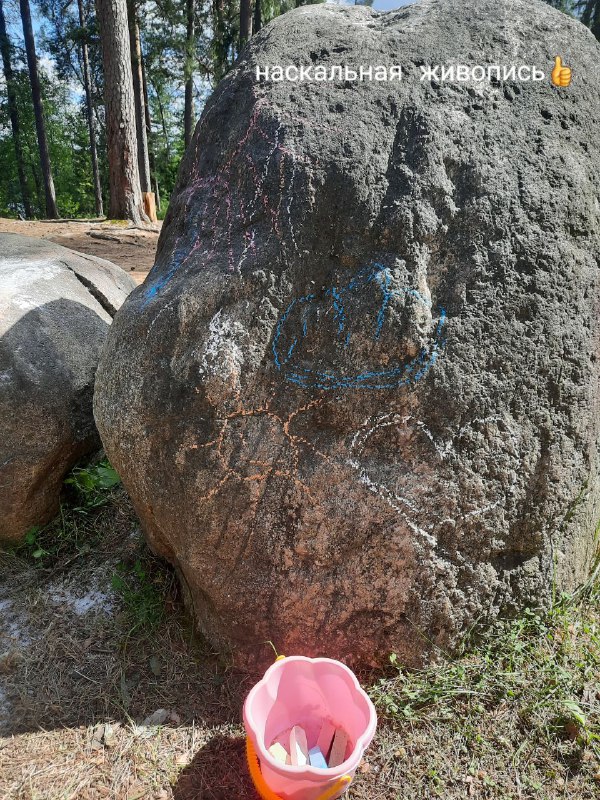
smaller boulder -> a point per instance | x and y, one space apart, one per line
56 307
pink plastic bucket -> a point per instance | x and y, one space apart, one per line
306 692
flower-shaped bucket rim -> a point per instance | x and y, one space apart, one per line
315 773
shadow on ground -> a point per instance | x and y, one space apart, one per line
218 771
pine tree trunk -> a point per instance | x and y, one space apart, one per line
38 108
221 64
245 21
13 113
163 123
138 96
33 168
257 16
151 156
125 192
190 47
89 109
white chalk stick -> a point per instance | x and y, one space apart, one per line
338 748
326 737
316 758
279 753
298 747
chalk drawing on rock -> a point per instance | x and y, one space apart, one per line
305 314
216 200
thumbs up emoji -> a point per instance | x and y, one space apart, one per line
561 76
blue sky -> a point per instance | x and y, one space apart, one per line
388 5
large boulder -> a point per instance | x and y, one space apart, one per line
55 310
356 401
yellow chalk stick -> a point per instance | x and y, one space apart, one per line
279 752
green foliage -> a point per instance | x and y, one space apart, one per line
48 544
62 36
562 5
588 11
88 490
275 8
10 197
92 484
68 144
31 543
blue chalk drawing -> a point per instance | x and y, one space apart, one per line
154 287
389 378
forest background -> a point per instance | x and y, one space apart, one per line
55 90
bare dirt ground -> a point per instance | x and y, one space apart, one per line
132 249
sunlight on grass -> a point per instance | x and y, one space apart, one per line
522 698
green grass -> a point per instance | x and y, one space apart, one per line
143 585
524 698
141 580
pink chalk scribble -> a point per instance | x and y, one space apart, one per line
223 206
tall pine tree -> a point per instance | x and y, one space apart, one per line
121 135
38 107
13 113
